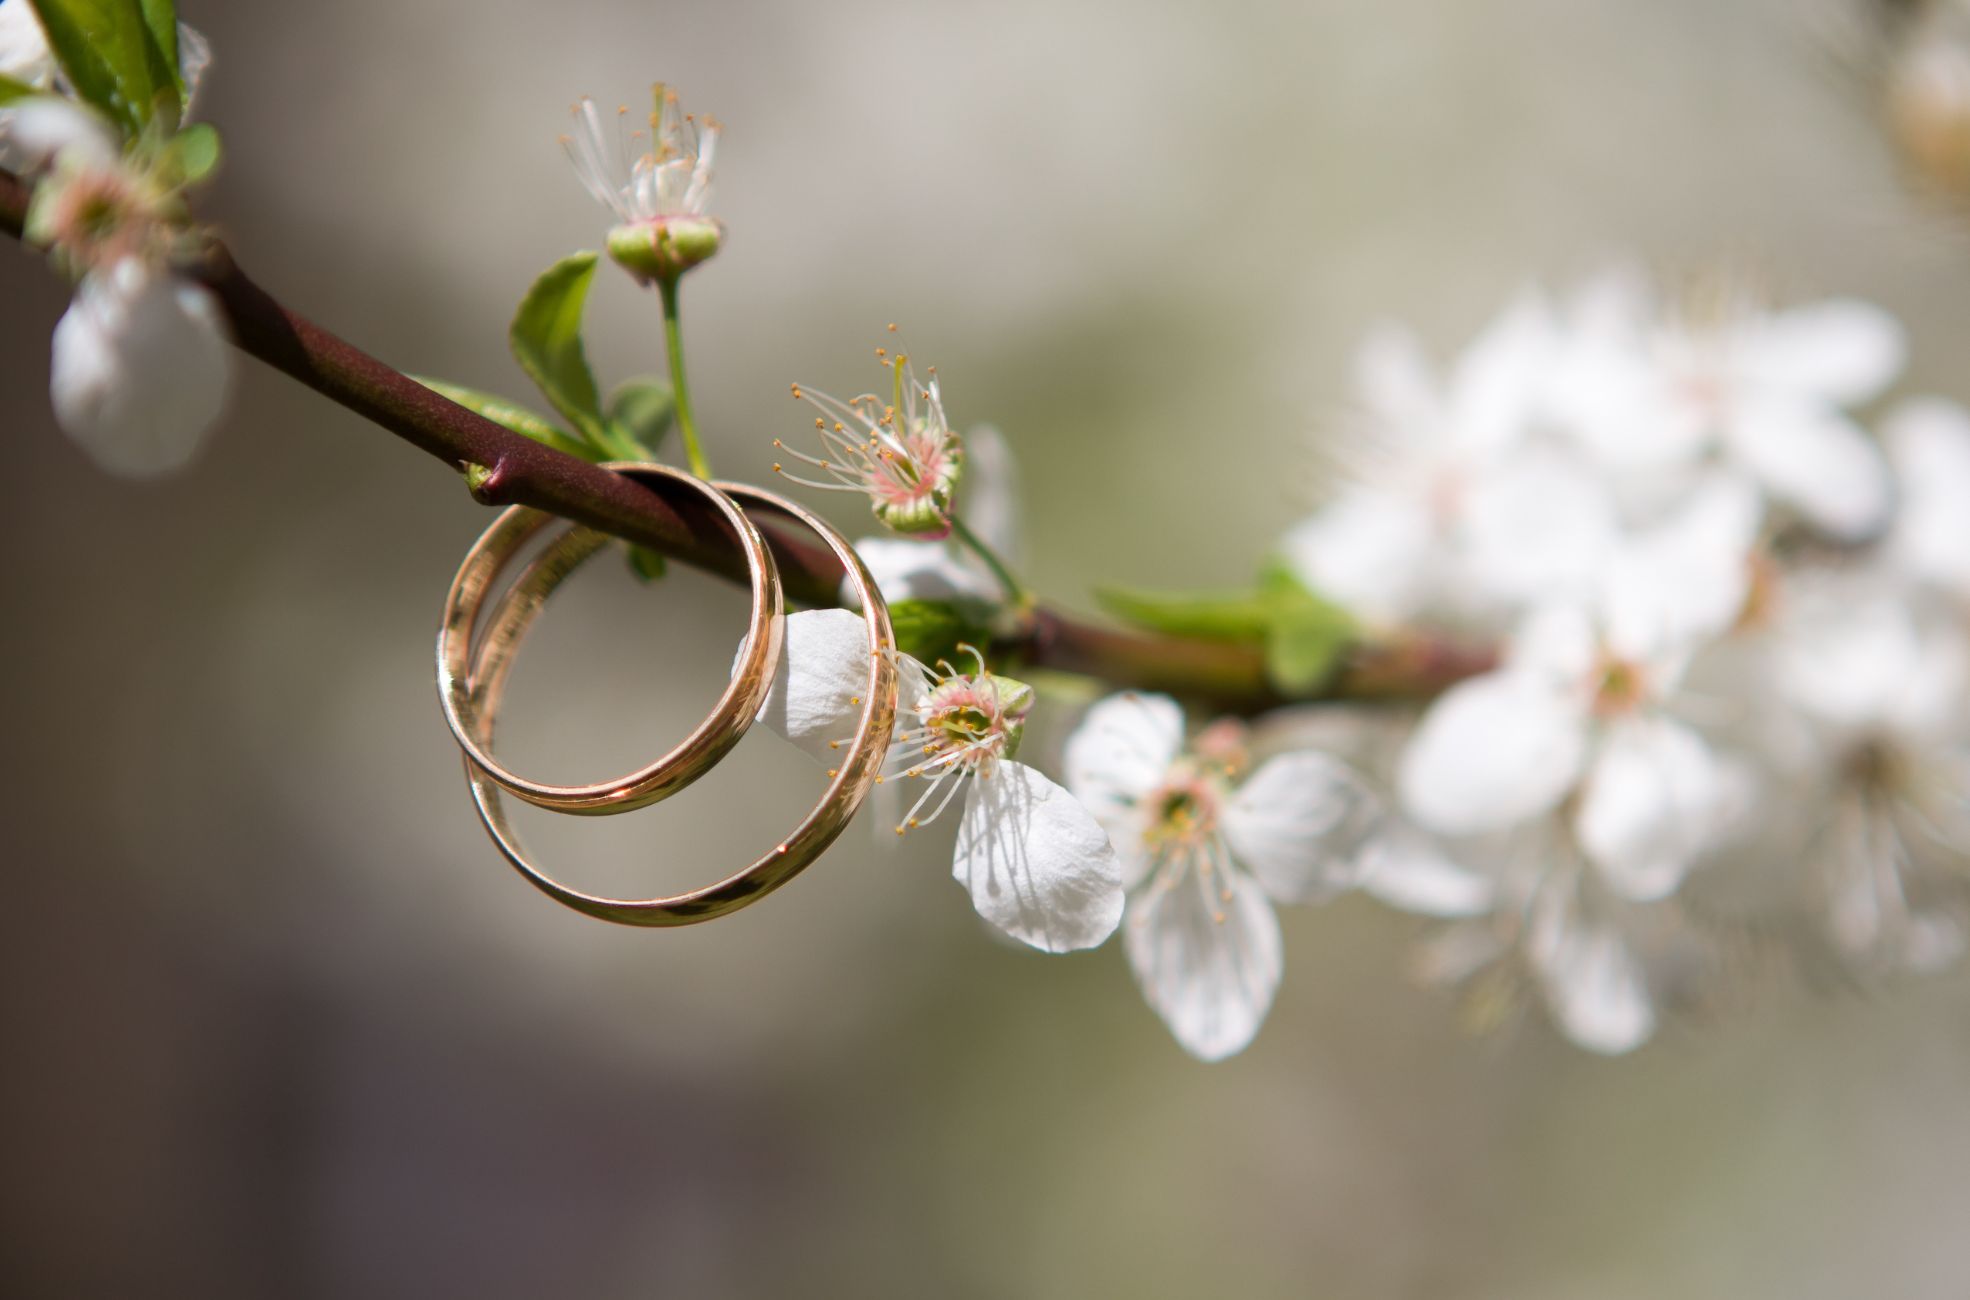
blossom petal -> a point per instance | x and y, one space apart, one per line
1652 803
1849 654
1118 755
1596 992
1497 385
35 131
1206 951
1686 579
1594 986
1037 863
194 59
1928 441
1817 461
1374 553
1556 643
1298 824
823 671
1456 952
1407 869
1840 351
140 369
1492 752
906 570
24 53
1538 526
1929 700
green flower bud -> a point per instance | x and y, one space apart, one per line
665 248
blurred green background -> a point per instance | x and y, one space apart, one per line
279 1021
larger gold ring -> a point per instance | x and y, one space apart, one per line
697 753
859 769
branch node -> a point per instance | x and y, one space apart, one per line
488 484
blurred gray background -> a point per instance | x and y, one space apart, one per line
278 1020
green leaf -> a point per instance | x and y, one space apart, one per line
1306 635
11 90
194 153
111 57
930 630
546 340
511 415
641 411
1217 616
161 20
1302 635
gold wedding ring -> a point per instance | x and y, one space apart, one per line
859 767
468 715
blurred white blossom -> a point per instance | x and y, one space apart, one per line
24 53
1723 381
1421 467
1884 687
1580 714
140 366
1724 595
655 180
140 369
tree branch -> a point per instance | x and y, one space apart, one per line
521 471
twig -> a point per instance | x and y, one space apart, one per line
521 471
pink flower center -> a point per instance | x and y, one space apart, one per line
911 475
965 720
1620 686
98 218
1183 811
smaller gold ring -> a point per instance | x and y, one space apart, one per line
860 767
697 753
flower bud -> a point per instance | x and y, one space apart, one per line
665 248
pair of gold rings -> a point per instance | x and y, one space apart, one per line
476 651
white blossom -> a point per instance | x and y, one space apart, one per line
645 173
24 53
1420 472
1928 442
1577 718
656 184
897 451
1766 392
1206 850
1036 862
1530 913
909 569
140 366
1885 685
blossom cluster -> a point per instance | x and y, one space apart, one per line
1730 694
1734 618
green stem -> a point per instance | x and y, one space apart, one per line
1021 598
687 425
